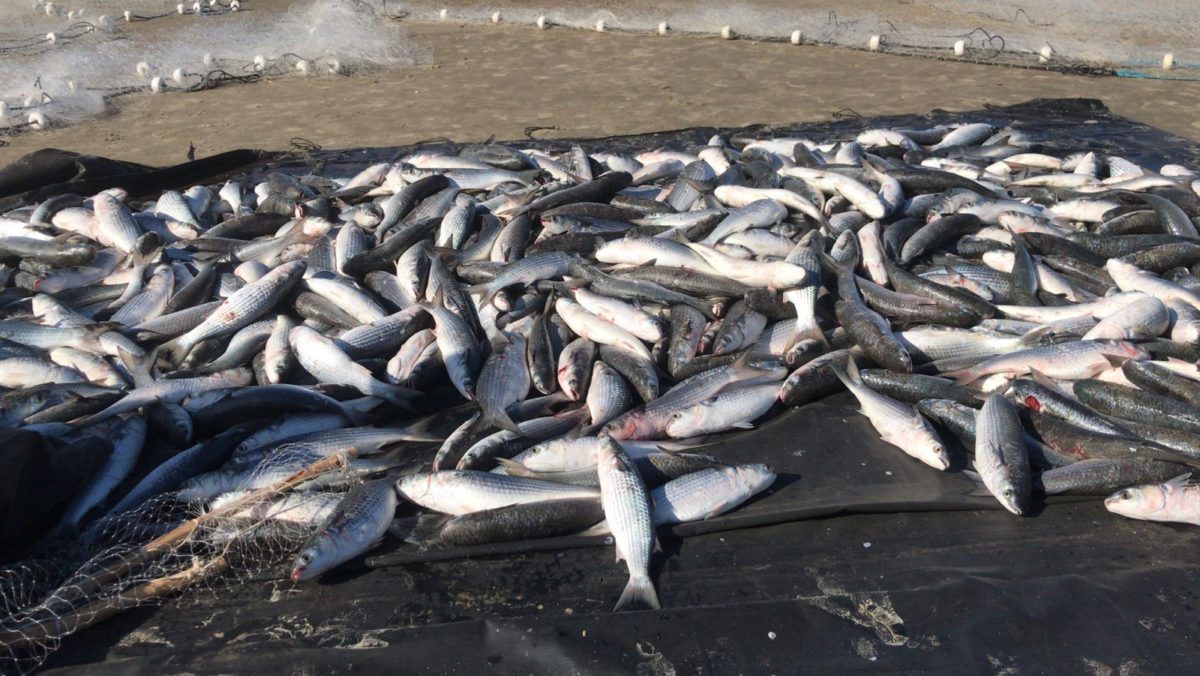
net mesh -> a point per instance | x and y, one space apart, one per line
67 67
167 548
1079 35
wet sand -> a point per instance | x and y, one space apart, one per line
495 80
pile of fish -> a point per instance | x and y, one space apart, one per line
1032 318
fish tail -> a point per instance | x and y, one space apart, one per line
809 329
639 589
502 420
849 375
400 397
421 531
486 291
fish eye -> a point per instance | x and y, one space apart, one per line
1126 495
1008 492
306 557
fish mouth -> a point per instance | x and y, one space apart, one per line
298 573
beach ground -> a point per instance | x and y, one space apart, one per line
484 80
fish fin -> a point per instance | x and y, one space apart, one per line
418 530
639 589
1035 336
1179 481
139 369
743 425
485 291
1044 380
852 370
420 431
657 544
400 397
502 420
514 468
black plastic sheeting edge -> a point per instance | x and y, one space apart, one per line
45 173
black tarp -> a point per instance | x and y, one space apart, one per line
858 558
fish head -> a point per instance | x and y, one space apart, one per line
685 422
317 556
1009 496
933 450
1025 392
755 477
1137 502
415 486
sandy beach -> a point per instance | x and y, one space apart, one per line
483 80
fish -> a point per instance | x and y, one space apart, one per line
627 510
1001 457
730 408
1174 501
898 424
708 493
504 381
571 321
466 491
356 526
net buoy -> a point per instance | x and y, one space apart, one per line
334 66
180 7
496 17
38 121
49 9
797 37
143 68
177 75
71 85
663 28
235 6
128 16
304 66
541 22
443 15
726 33
207 59
71 15
874 43
1168 61
600 27
3 109
197 8
105 22
156 84
260 62
960 47
1045 53
52 37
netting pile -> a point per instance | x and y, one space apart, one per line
1075 35
60 62
167 547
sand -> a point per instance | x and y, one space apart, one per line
495 80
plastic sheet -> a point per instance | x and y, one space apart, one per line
857 559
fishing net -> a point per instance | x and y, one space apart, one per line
1074 36
165 548
67 68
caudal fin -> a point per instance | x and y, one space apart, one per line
502 420
639 589
400 397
